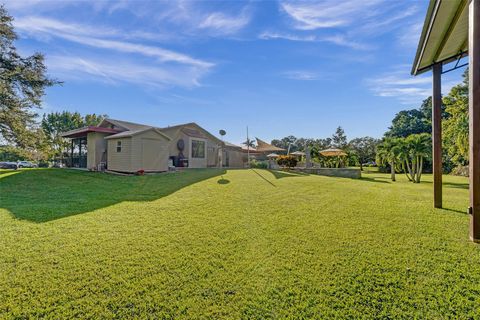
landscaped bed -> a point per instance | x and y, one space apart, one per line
235 244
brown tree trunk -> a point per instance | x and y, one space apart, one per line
392 171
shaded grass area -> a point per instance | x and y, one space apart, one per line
308 247
47 194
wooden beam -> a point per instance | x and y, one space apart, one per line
474 117
437 134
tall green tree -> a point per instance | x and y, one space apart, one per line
287 143
93 119
364 149
22 85
55 123
388 151
412 151
408 122
339 139
455 127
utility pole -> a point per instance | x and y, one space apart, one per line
222 134
248 149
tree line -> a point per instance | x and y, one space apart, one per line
359 151
23 81
406 146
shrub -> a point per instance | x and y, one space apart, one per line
43 164
461 171
287 161
258 164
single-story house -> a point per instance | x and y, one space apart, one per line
129 147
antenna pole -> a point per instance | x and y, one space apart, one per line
248 149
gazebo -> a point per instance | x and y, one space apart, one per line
298 153
333 152
451 32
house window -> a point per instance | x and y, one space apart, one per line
119 146
198 149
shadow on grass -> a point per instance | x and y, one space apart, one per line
456 185
376 180
223 181
263 178
455 210
287 174
43 195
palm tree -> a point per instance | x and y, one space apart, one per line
411 151
419 145
249 143
404 157
388 152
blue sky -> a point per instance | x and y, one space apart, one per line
280 67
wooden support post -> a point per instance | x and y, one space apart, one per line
474 117
71 154
437 135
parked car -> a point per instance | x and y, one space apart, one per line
8 165
58 164
26 164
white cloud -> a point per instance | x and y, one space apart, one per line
43 27
384 22
398 84
37 25
354 22
342 40
407 89
335 39
114 72
224 24
301 75
410 35
327 14
287 36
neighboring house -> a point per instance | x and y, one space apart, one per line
129 147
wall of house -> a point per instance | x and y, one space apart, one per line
236 158
211 158
96 149
196 162
150 152
212 154
119 161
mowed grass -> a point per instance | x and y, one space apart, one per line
249 244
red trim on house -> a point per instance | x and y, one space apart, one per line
84 131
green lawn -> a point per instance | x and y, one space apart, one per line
235 244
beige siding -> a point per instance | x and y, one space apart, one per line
176 135
149 152
96 149
211 158
120 161
236 158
